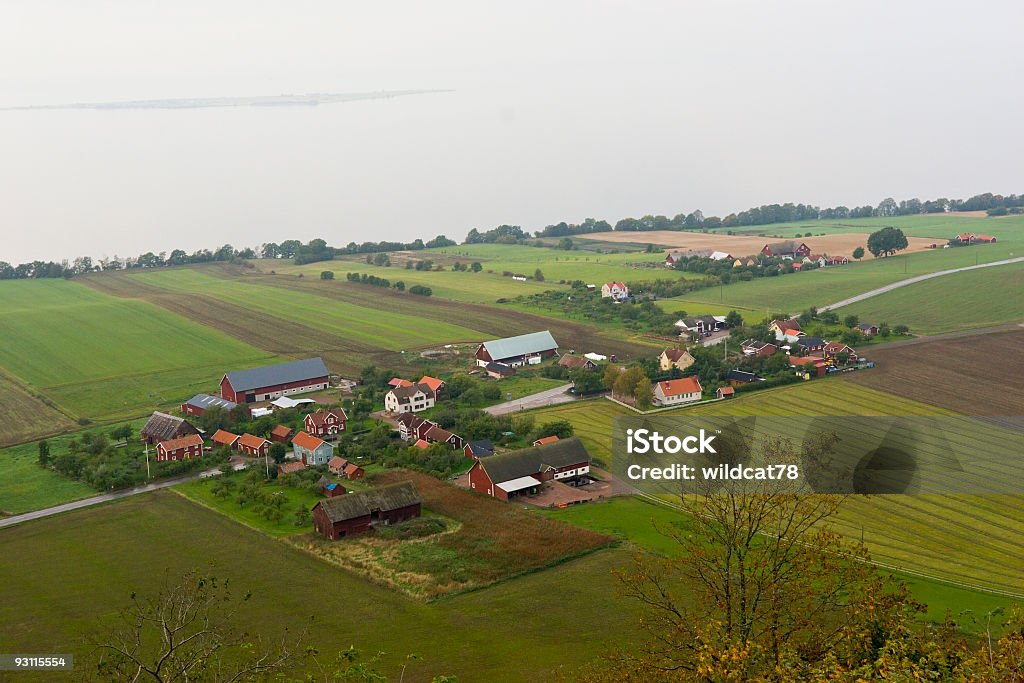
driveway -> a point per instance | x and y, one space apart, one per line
550 397
919 278
102 498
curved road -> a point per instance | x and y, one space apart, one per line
919 278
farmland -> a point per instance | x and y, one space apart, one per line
102 357
977 298
130 546
27 415
26 486
976 539
936 372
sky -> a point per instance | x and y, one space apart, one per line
559 111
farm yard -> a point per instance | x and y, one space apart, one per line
977 298
123 547
943 372
975 539
101 357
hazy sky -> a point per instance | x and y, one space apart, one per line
562 110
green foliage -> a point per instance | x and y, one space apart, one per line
421 290
326 274
886 241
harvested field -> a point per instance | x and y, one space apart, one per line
978 375
489 541
27 415
839 244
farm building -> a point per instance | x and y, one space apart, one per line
702 324
223 438
755 347
512 474
353 471
274 381
617 291
526 349
833 349
725 392
396 382
289 468
577 362
787 249
499 370
737 378
311 450
675 358
200 403
281 434
676 391
810 344
867 329
336 464
438 435
800 363
333 489
326 423
164 427
411 399
479 449
253 446
545 440
359 512
182 448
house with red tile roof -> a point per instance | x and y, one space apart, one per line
677 391
182 448
288 468
253 446
435 384
337 464
224 438
545 439
312 450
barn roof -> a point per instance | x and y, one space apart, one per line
283 373
182 442
404 394
319 417
522 345
432 382
205 402
163 427
530 461
361 504
500 368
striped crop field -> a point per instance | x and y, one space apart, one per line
973 539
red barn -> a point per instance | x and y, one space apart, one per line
326 423
253 446
184 448
788 249
274 381
357 513
512 474
281 434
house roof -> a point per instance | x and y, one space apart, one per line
810 341
252 441
281 430
438 434
677 387
410 420
362 503
433 383
162 427
755 344
399 382
545 440
351 468
499 368
742 376
223 437
290 467
530 461
319 417
337 461
837 347
481 449
422 443
307 441
785 247
403 394
865 326
522 345
182 442
205 402
726 391
610 285
570 361
675 354
791 324
269 375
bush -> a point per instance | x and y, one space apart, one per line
420 290
326 274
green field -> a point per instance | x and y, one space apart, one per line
975 539
572 612
99 356
26 486
200 491
976 298
939 226
643 523
27 414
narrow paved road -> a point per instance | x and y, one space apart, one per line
550 397
919 278
95 500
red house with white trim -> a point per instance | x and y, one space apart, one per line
326 423
183 448
253 446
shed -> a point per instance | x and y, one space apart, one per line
359 512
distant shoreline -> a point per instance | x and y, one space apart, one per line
307 100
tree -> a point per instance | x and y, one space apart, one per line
901 330
186 633
538 275
886 241
626 383
586 381
278 451
326 274
122 432
565 243
643 393
610 374
44 452
851 321
475 267
400 286
858 253
734 319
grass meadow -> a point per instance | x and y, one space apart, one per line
572 613
975 539
977 298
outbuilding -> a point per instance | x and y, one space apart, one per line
359 512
